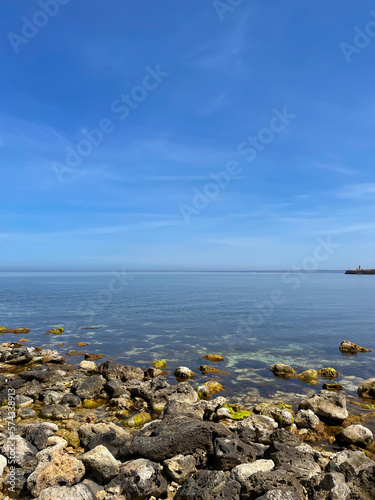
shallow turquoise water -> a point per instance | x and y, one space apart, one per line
253 319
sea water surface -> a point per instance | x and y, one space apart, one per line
252 319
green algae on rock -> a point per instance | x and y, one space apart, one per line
55 331
328 373
214 387
215 358
160 364
308 376
283 371
235 413
138 420
17 331
349 347
205 369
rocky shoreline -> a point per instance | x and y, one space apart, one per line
104 431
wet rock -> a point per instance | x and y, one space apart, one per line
31 389
306 419
101 463
139 479
213 387
308 376
350 463
51 397
256 428
355 434
180 467
229 452
215 358
205 369
173 436
56 412
22 401
70 400
209 485
152 372
351 348
328 373
138 420
26 413
93 357
55 468
55 331
183 373
282 370
38 434
78 492
182 392
241 473
20 450
262 482
90 387
327 405
333 387
367 389
159 364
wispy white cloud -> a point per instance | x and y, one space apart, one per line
355 191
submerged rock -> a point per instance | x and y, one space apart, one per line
205 369
328 373
327 405
308 376
138 420
351 348
215 358
283 371
159 364
183 373
367 389
333 387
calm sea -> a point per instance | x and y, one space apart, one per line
253 319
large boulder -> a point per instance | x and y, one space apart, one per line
363 486
209 485
355 434
183 392
367 389
139 479
173 436
330 406
101 463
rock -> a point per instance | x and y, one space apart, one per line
18 482
111 370
283 371
215 358
90 387
71 437
308 376
306 419
26 413
55 331
327 405
260 483
183 373
159 364
55 468
355 434
350 463
52 397
180 467
367 389
281 494
152 372
334 483
363 486
31 389
229 452
333 387
205 369
172 436
350 347
241 473
281 415
78 492
88 366
285 437
56 412
139 479
138 420
93 357
196 410
20 450
38 434
70 400
3 464
115 389
329 373
101 463
23 401
209 485
256 428
182 392
213 387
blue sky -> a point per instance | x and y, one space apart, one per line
179 88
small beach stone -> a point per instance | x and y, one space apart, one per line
101 463
56 412
306 419
184 373
242 472
70 400
180 467
89 387
38 434
282 370
328 373
23 401
88 366
350 463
